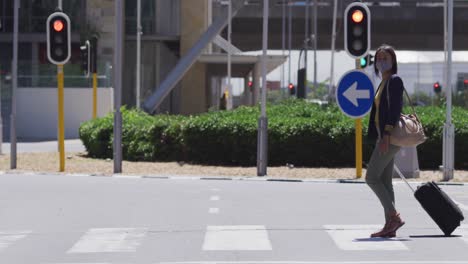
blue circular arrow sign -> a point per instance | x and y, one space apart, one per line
355 94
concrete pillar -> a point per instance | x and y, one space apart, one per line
407 161
195 19
257 74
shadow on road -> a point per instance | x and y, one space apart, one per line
379 239
435 236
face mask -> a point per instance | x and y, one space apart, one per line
383 66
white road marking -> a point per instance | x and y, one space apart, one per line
321 262
9 237
244 237
119 176
109 240
214 211
356 237
214 198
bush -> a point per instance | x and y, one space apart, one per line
299 133
96 136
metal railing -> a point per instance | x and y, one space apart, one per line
28 24
45 75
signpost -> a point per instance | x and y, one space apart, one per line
354 96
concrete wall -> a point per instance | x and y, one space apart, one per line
37 111
157 61
195 19
100 14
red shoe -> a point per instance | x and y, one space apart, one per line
395 223
381 233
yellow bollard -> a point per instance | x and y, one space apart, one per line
358 148
94 95
61 136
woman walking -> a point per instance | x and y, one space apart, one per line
384 115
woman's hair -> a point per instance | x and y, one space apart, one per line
390 50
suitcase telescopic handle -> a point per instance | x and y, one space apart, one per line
403 177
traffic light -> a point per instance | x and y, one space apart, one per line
58 38
357 22
86 58
437 87
93 55
250 84
365 61
465 83
292 89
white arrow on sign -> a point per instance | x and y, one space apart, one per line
352 94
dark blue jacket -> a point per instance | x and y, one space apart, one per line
388 115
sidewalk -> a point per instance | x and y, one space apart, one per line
42 157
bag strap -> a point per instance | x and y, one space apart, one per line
407 95
402 177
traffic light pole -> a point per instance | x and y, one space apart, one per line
229 59
14 88
358 129
289 40
449 128
332 63
61 119
138 58
94 95
118 54
93 67
315 43
262 144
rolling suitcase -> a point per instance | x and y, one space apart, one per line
438 205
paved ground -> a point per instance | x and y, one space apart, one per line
43 157
70 220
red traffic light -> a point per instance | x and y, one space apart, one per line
465 82
58 38
291 86
436 85
357 16
250 83
357 22
58 25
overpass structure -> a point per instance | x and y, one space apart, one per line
405 24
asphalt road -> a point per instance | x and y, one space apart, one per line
79 219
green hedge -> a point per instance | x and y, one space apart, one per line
300 133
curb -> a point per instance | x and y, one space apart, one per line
221 178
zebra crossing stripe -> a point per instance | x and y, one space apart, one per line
109 240
356 237
236 238
8 238
323 262
213 210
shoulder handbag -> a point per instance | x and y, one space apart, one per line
408 131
